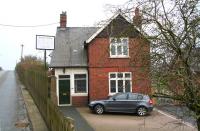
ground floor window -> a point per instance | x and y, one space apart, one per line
80 83
120 82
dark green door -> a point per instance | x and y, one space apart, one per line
64 91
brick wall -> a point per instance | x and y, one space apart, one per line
100 64
99 81
79 100
99 55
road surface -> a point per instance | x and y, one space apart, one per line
12 109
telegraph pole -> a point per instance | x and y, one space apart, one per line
45 59
22 52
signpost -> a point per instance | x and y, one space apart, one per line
45 42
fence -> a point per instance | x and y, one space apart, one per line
37 82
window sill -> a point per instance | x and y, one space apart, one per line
119 57
80 94
111 94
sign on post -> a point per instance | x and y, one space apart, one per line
45 42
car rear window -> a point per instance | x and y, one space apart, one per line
146 97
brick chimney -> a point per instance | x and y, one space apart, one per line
137 19
63 20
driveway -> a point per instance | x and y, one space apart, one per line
131 122
179 111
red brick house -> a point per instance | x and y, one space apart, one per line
93 63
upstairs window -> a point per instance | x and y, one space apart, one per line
119 47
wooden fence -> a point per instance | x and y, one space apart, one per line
37 82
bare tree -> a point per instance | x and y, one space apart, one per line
173 28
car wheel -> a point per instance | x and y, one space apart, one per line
142 111
99 109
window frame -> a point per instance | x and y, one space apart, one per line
116 45
116 81
86 80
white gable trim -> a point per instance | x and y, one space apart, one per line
101 29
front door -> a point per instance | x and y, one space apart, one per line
64 90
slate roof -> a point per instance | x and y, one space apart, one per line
69 46
69 43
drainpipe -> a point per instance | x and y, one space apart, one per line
86 47
88 85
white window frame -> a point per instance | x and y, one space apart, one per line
80 93
80 79
122 49
116 79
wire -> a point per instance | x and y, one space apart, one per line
28 26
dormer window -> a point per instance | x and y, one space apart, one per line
119 47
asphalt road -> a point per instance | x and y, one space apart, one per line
12 107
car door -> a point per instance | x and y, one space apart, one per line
133 102
118 103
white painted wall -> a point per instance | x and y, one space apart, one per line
71 72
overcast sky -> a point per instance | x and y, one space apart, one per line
40 12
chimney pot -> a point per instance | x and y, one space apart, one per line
137 19
137 11
63 19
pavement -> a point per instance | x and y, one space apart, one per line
38 124
80 123
13 113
